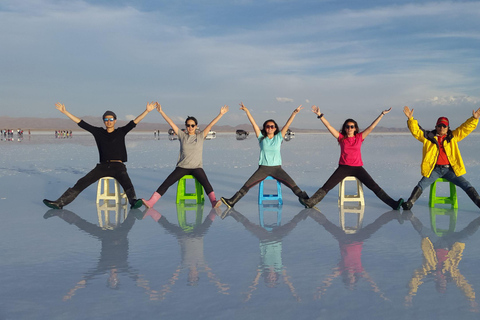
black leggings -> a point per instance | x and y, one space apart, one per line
116 170
358 172
178 173
275 171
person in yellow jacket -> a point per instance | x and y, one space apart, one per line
441 155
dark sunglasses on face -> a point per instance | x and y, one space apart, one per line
441 125
190 125
349 127
269 127
108 119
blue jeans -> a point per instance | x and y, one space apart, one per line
446 173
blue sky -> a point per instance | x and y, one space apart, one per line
351 58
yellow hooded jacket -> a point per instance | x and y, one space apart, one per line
450 143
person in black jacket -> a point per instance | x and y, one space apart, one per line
112 151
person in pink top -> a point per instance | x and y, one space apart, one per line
350 164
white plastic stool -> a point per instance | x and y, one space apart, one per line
104 193
342 197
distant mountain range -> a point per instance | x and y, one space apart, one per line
67 124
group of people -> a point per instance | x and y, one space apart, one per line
441 157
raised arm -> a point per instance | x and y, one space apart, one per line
207 129
325 122
367 131
169 121
408 112
289 121
150 107
61 107
252 121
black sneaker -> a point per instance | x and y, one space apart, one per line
52 204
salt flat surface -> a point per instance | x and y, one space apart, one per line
294 263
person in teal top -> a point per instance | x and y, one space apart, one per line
270 139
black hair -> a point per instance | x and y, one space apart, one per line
264 132
344 132
191 118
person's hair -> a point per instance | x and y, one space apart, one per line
191 118
344 132
264 132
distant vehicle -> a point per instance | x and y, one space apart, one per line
241 134
211 135
289 135
171 132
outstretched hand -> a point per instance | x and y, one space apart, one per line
158 106
384 112
223 109
297 110
60 107
151 105
242 107
409 112
316 110
476 114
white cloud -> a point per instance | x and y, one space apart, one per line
284 100
130 117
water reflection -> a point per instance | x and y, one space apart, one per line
270 235
190 236
113 235
351 241
442 251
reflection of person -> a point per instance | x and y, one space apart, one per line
113 154
270 139
441 257
271 267
114 252
190 158
441 156
191 247
350 164
350 267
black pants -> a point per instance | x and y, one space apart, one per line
117 170
178 173
275 171
358 172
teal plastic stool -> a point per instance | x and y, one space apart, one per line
262 196
434 199
182 190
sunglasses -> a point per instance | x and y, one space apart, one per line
349 127
190 125
108 119
441 125
269 127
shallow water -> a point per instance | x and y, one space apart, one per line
178 262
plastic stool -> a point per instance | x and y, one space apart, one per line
452 215
182 190
104 193
434 199
262 196
275 208
342 197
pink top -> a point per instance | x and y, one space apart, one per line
350 154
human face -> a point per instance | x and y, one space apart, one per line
442 129
109 122
191 127
270 128
350 129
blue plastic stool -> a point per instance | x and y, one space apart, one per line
262 196
434 199
274 208
182 190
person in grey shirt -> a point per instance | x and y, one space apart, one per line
190 158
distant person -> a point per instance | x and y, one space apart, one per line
190 160
112 152
441 156
350 164
270 140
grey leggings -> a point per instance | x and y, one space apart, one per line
275 171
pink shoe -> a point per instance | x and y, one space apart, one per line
153 199
213 200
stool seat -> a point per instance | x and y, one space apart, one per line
276 197
182 193
451 199
342 197
104 190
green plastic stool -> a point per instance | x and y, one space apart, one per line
452 214
452 199
182 190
